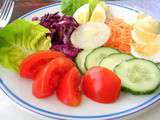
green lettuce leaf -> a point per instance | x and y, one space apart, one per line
69 7
20 39
92 5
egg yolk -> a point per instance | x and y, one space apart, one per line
147 49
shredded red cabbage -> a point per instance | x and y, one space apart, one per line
61 28
67 49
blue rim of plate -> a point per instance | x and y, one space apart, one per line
27 106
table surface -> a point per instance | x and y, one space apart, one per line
10 112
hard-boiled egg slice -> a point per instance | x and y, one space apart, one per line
140 36
146 30
82 14
146 51
148 24
99 14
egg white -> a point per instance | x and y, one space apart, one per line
154 58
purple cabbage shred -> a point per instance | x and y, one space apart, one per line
61 28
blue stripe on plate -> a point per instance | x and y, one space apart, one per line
37 110
56 4
53 115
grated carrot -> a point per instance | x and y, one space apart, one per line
121 35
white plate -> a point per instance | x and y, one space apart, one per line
19 90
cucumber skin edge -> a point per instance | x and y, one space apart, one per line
137 59
116 53
85 64
76 61
125 89
78 67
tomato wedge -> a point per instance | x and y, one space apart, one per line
69 91
101 85
31 65
48 78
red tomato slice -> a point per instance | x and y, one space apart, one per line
31 65
47 79
68 91
101 85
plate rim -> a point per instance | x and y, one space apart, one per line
22 103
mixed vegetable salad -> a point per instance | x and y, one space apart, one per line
84 51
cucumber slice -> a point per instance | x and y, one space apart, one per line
80 60
97 55
138 76
158 65
113 60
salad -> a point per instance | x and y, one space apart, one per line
84 51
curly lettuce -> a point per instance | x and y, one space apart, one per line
92 5
69 7
20 39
